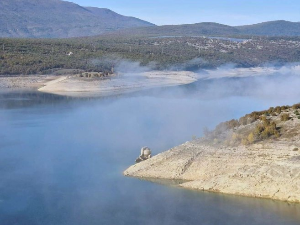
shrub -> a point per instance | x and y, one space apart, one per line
233 123
259 129
235 137
285 117
296 106
266 130
271 110
243 120
265 120
278 110
295 149
251 138
297 112
245 142
227 125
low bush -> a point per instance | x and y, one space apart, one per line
296 106
285 117
245 141
251 138
266 130
278 109
227 125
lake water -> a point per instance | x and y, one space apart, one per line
211 37
230 39
61 159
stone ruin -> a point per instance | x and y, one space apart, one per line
93 74
145 154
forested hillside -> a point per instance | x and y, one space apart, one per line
30 56
272 28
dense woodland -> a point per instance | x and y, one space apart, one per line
102 54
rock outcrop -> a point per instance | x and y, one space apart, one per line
145 154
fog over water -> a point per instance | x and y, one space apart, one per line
61 159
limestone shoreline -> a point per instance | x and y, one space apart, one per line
247 171
264 169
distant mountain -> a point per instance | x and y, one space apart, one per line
60 19
272 28
183 30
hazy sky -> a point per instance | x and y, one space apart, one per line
231 12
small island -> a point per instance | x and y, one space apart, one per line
256 156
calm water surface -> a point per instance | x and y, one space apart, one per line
61 160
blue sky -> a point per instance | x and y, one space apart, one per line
231 12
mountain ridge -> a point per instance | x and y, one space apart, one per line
269 28
63 19
59 19
272 28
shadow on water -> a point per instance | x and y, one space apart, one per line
61 159
15 99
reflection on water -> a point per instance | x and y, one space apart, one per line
27 99
61 160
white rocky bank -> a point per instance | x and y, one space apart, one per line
269 170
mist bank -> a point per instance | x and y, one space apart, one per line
131 77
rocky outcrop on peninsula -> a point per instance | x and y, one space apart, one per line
257 155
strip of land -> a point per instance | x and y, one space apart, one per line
95 86
116 84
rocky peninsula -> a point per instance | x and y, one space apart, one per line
256 156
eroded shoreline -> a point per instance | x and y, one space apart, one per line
272 173
268 168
